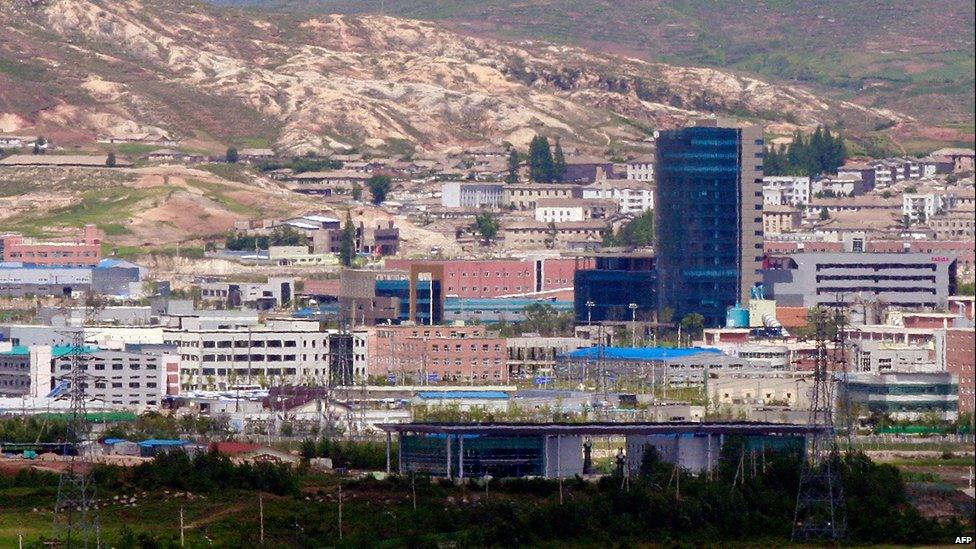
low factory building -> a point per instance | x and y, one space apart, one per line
563 450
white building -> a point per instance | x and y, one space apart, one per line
632 196
128 378
569 210
922 206
462 194
217 354
790 190
640 171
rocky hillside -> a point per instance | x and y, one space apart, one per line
82 69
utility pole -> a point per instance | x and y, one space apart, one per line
633 324
261 513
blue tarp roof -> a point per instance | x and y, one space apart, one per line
114 440
463 394
640 353
162 442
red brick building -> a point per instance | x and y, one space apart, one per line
503 277
441 353
960 360
83 251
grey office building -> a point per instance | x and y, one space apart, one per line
709 218
903 280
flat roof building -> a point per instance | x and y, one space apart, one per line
903 280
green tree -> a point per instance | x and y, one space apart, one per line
637 232
540 160
347 246
513 166
110 160
824 214
379 186
487 226
231 155
39 145
558 162
357 192
693 324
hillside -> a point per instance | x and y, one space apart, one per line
908 55
76 70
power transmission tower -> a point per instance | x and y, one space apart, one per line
75 513
840 362
820 510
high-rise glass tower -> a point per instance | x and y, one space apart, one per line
709 218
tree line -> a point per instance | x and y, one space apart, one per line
822 152
547 164
280 236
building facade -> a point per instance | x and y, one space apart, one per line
221 353
462 194
437 353
905 280
709 218
620 287
84 251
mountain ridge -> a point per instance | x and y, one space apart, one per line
88 68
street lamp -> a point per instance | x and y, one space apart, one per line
633 324
589 312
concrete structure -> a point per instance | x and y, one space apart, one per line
530 356
567 210
959 359
640 170
274 293
109 277
910 396
525 196
902 280
84 251
633 197
709 218
536 235
463 194
218 352
26 371
957 223
961 159
880 357
778 219
788 190
131 378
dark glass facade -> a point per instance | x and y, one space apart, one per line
400 289
615 283
709 218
